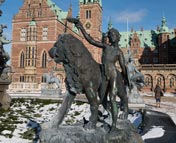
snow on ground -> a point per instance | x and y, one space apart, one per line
168 105
155 132
43 113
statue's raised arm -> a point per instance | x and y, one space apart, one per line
79 25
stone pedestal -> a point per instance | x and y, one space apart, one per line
51 91
5 99
135 100
124 133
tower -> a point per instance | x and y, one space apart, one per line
91 16
163 42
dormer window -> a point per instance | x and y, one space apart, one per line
88 14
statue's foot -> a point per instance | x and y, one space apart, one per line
48 125
123 115
113 129
90 126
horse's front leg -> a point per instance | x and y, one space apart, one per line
63 110
124 102
92 99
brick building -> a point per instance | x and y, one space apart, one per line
38 23
35 29
155 50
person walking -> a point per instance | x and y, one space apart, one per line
158 93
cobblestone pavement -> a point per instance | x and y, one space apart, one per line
168 105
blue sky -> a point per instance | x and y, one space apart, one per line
140 13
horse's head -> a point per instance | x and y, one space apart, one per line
66 49
57 52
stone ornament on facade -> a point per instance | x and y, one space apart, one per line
135 80
5 70
52 85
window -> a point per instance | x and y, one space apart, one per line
88 14
155 60
156 51
29 13
31 55
40 13
43 79
23 34
22 60
45 33
31 33
145 60
159 81
172 82
148 81
29 78
44 59
21 78
135 52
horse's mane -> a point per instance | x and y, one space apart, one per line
79 60
74 46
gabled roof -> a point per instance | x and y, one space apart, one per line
58 11
91 1
148 38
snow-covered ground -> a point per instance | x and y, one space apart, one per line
28 109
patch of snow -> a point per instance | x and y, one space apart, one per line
155 132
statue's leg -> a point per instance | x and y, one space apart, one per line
103 92
122 95
112 95
63 110
92 99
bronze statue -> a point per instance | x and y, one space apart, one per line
85 75
113 83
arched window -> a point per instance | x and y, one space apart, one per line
159 81
172 81
22 60
44 59
43 79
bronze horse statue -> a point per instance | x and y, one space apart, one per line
83 75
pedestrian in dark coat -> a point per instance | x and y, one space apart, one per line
158 93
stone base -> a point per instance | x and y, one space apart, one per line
136 106
51 92
125 133
5 99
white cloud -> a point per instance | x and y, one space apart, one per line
133 16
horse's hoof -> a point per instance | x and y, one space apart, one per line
123 116
90 126
48 125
